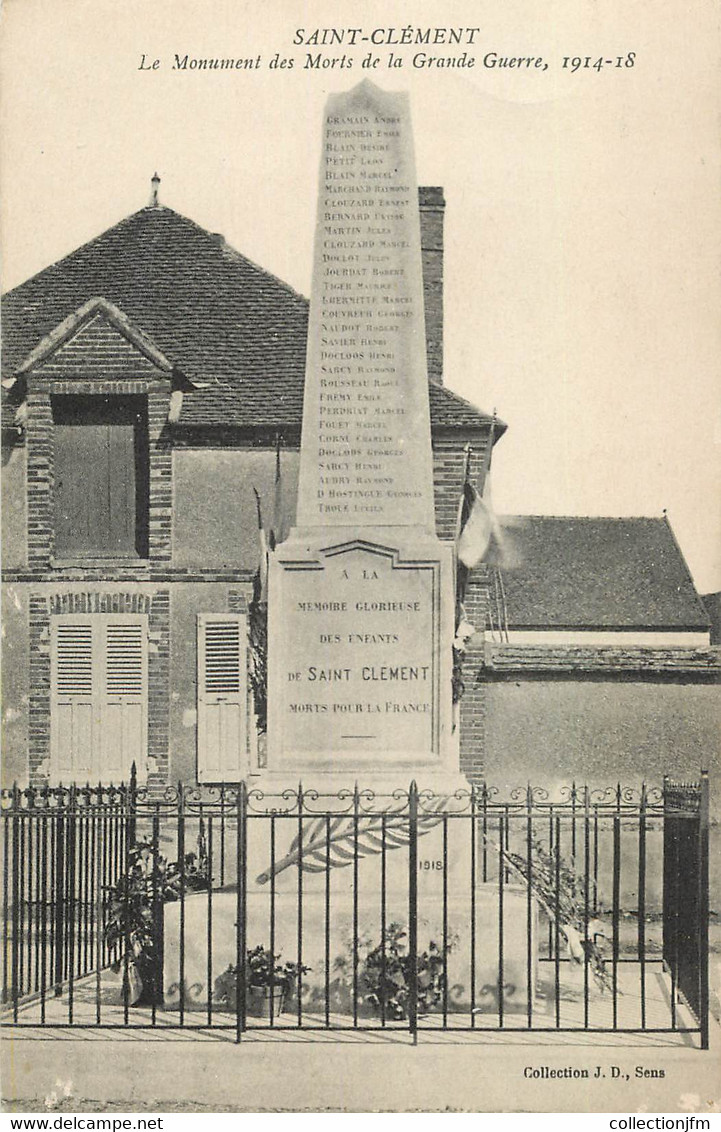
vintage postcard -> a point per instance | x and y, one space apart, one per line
334 779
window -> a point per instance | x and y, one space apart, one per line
99 697
222 697
101 477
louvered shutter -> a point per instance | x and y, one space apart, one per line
74 722
99 694
125 699
222 697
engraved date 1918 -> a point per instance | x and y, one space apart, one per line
588 63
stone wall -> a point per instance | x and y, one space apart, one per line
600 732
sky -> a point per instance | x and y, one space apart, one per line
582 235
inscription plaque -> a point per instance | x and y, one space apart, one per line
361 673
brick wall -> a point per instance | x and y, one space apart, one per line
97 347
159 687
95 360
449 457
39 689
160 492
238 600
40 464
101 361
472 713
39 478
449 461
432 208
521 666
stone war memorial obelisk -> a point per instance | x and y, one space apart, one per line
360 630
361 594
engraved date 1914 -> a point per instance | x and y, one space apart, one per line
589 63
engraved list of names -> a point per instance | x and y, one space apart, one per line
366 451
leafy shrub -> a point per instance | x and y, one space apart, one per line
130 912
386 974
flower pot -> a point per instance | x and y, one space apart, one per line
116 982
257 1000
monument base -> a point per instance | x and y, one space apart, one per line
474 962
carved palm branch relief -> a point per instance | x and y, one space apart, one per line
332 844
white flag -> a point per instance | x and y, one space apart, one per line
479 528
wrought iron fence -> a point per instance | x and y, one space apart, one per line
229 908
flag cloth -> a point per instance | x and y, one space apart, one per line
261 575
279 530
479 535
269 537
478 532
258 628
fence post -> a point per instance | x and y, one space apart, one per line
132 805
413 911
299 921
473 901
702 871
17 897
641 948
59 893
71 912
6 903
529 905
356 811
181 909
157 914
666 893
241 947
671 892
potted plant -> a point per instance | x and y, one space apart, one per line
131 930
385 974
267 977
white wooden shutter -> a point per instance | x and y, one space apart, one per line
222 697
73 708
99 695
125 699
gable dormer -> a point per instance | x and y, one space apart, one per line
97 394
95 342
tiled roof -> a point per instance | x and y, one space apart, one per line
215 315
598 574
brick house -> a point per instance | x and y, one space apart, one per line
148 378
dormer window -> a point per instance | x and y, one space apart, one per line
100 492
